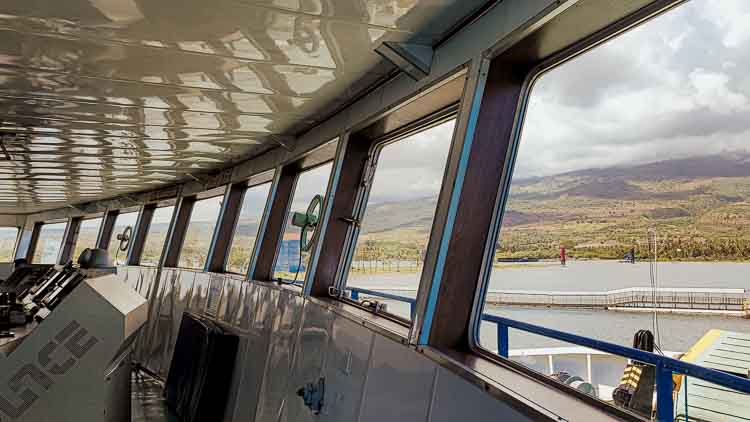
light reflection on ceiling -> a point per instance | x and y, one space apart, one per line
105 97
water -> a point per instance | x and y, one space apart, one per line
610 275
677 332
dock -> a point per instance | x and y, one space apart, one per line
697 301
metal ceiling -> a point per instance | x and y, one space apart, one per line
104 97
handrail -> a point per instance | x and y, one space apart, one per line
664 366
356 291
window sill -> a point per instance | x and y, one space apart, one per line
394 330
550 400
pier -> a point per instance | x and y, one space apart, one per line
731 302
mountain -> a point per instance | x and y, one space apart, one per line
622 182
407 214
697 206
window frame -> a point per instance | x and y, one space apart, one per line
78 224
219 192
146 230
250 185
138 211
37 232
606 34
288 209
363 194
16 242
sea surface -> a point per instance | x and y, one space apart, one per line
675 332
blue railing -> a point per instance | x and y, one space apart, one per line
664 366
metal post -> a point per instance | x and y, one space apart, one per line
664 402
502 339
686 404
412 307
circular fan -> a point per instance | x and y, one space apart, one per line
308 222
124 238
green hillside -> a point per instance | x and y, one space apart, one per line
699 208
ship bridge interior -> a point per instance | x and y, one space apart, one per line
229 164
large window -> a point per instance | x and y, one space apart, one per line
199 233
48 243
396 224
629 207
88 232
122 222
246 232
291 260
157 235
8 237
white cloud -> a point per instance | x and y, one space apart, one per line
730 16
670 88
712 92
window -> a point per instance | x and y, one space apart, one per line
8 237
49 242
396 225
122 221
629 204
291 261
88 232
248 223
157 235
199 232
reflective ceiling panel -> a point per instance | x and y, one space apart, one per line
104 97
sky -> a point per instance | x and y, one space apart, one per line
674 87
407 169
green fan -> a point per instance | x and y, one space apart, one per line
308 223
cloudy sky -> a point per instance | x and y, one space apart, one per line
407 169
676 86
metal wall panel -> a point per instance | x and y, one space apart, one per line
287 342
199 296
399 384
162 327
309 358
346 369
229 303
150 343
259 306
146 282
180 297
216 284
286 322
246 304
457 399
250 360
